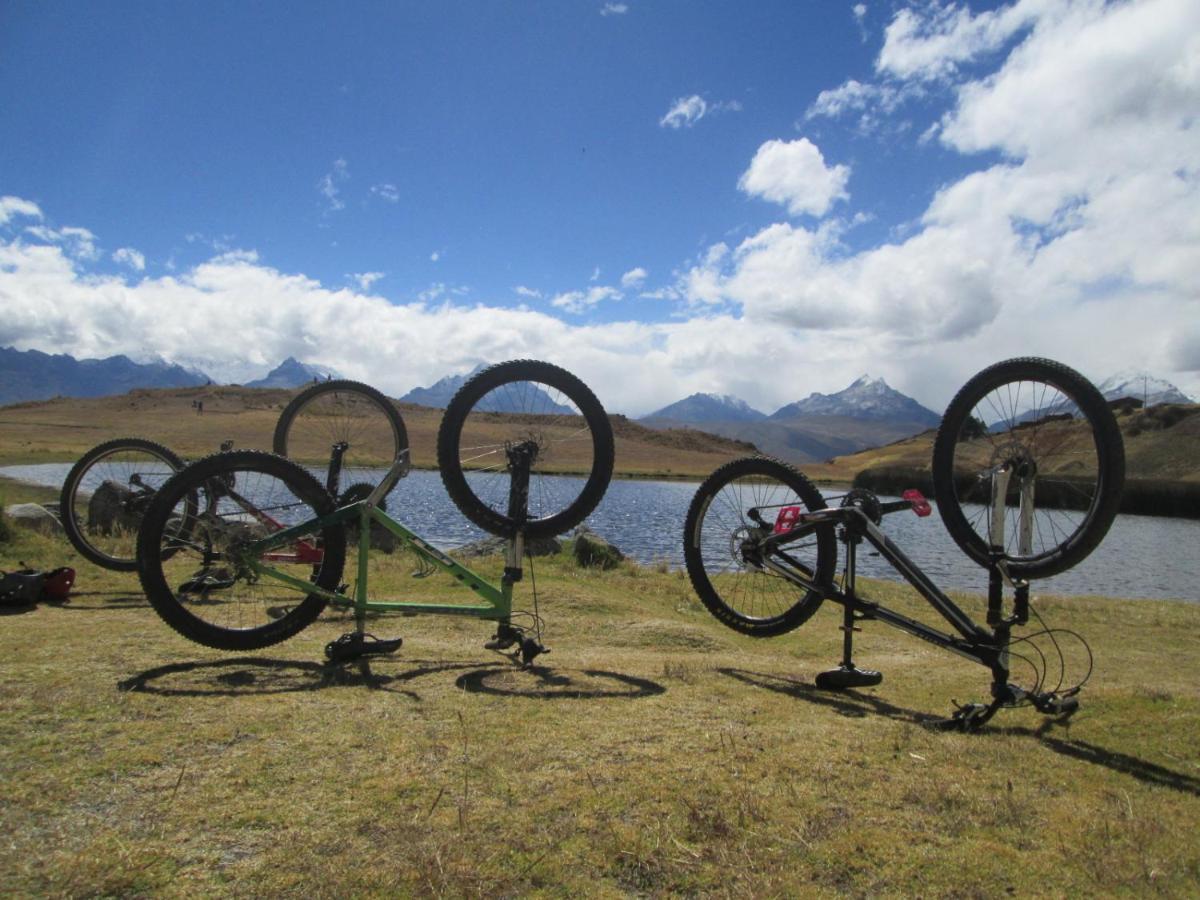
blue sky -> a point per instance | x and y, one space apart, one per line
762 199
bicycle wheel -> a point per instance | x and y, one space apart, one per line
733 510
105 496
203 581
1051 433
342 412
541 411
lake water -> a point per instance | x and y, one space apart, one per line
1142 556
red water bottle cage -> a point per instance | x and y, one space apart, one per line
919 504
788 518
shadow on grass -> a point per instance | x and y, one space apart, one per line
850 703
1142 770
96 600
855 704
250 676
542 683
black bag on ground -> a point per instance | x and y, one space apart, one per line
26 587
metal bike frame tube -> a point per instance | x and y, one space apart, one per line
497 603
977 643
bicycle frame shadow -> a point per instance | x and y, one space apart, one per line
849 703
858 705
1142 770
252 675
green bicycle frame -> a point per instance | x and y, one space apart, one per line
496 602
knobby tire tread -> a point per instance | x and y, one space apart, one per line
161 595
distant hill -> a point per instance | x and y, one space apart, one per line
1142 386
33 375
439 394
702 409
292 373
868 398
868 413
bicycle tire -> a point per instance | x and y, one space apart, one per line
107 535
342 411
1058 434
198 589
520 401
718 547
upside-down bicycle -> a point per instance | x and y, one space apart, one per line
244 549
1028 467
107 491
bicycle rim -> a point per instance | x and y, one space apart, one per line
724 529
196 571
1054 439
534 405
342 412
105 497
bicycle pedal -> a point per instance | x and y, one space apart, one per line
848 677
499 643
354 645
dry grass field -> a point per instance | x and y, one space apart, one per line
63 429
652 753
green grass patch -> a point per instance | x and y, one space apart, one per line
656 753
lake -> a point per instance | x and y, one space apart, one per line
1142 556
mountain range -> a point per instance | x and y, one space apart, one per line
868 413
33 375
292 373
438 395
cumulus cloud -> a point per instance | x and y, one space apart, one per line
634 278
794 173
577 302
127 256
366 279
77 242
1083 244
11 207
932 41
1076 236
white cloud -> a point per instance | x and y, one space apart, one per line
11 207
386 191
581 301
435 256
328 188
529 292
687 111
634 278
77 242
366 279
794 173
933 40
614 9
127 256
1082 243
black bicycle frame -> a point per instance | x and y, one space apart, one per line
987 647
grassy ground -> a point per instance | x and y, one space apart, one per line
655 753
